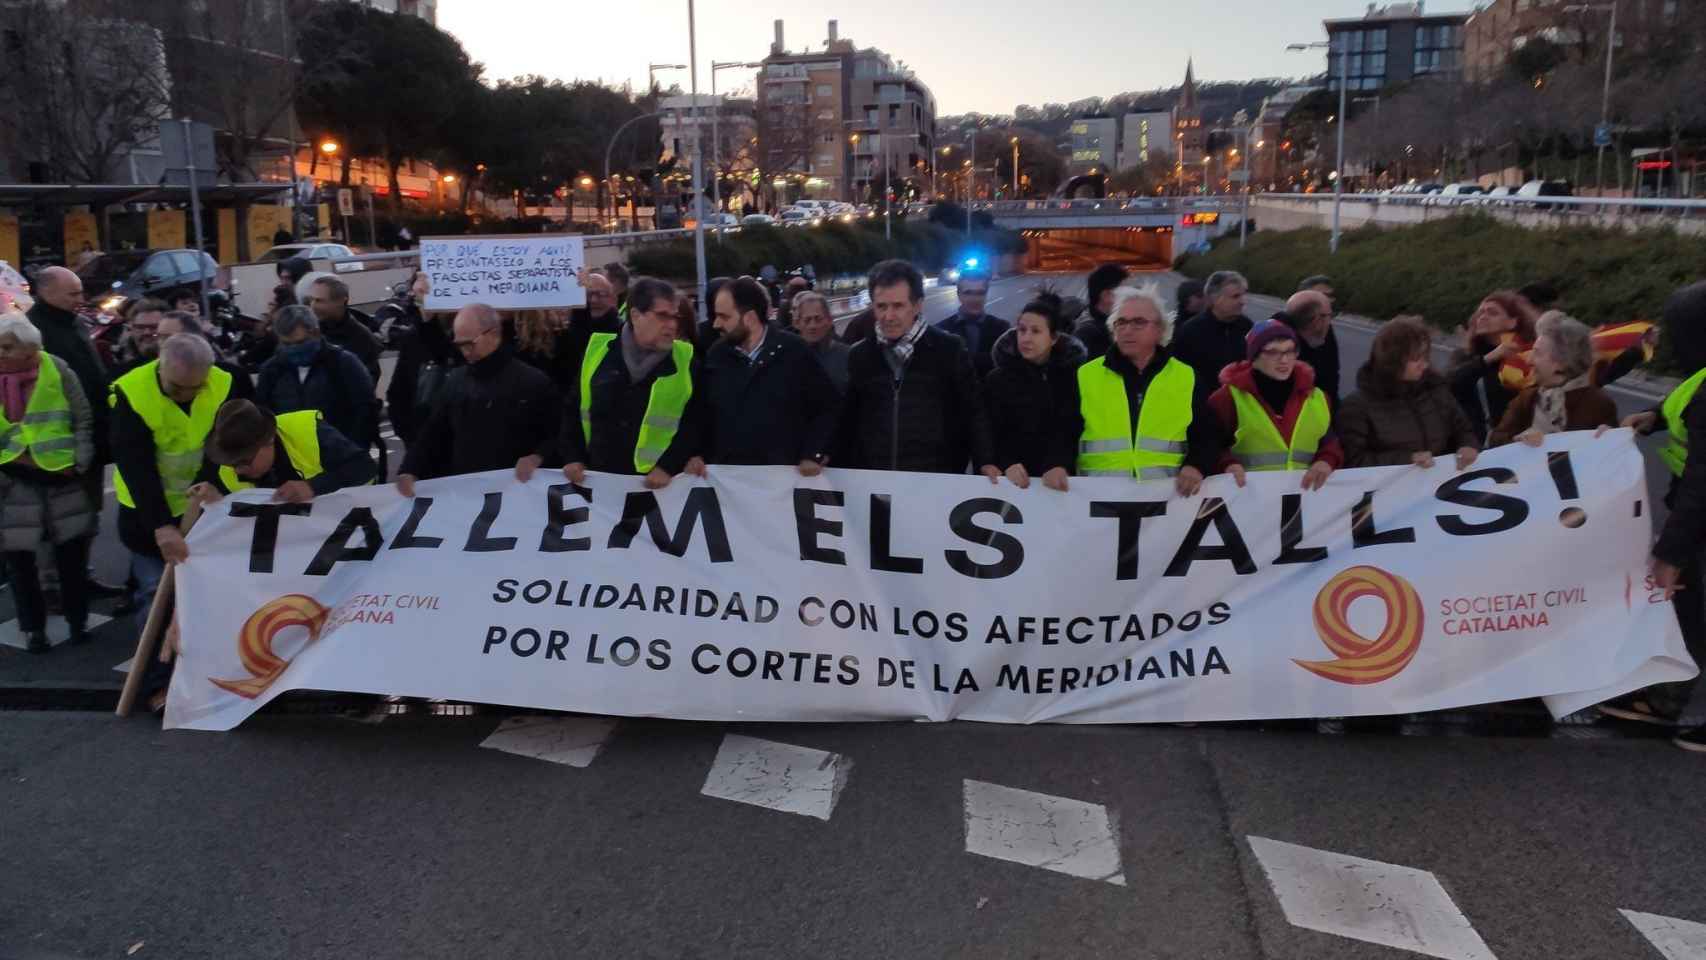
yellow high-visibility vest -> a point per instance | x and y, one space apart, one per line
664 408
1258 444
1675 453
46 431
1109 447
178 437
300 433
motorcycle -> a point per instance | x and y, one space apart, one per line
395 318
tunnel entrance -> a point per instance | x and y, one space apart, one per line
1079 249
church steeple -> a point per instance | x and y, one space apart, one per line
1188 97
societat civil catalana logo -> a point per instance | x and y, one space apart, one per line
255 641
1359 659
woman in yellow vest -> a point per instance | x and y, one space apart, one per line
47 443
1676 560
296 455
1278 418
1139 408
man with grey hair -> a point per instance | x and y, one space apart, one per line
308 373
1214 339
349 328
162 414
496 413
1310 313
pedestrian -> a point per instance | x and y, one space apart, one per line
495 411
1215 339
1563 395
341 324
425 358
1676 556
308 373
630 411
162 413
767 399
174 322
785 307
976 328
600 315
297 455
1032 395
859 327
815 326
141 340
256 345
1092 328
1277 417
187 300
1501 328
291 270
1310 313
59 295
1141 414
1188 299
1402 411
49 429
912 401
281 236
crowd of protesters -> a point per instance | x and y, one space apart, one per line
1124 384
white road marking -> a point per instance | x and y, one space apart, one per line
125 666
777 776
57 631
1367 900
571 741
1055 833
1674 939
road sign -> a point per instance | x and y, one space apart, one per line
188 146
1602 135
346 202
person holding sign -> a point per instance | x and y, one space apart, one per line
633 409
1140 413
1279 419
495 412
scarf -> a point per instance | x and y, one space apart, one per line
15 390
1549 413
640 362
900 350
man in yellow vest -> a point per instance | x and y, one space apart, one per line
1142 415
296 455
633 409
1277 417
162 414
1676 566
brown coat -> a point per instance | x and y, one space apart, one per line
1584 409
1383 425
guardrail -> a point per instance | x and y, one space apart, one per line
1682 208
1106 205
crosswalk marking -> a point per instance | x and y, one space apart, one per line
1067 836
1367 900
571 741
57 631
777 776
1674 939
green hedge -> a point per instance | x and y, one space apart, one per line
1442 269
831 248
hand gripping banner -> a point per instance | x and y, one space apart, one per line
756 594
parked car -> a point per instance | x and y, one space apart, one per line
1544 188
113 279
310 251
758 220
1494 197
794 216
1453 190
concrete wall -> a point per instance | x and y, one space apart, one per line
1278 212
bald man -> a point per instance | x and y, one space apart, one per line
1310 313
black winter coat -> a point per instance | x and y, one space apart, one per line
1091 330
1032 407
929 418
618 405
337 385
1209 345
354 333
980 343
492 414
425 342
62 335
779 409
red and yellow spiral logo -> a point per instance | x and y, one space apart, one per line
254 641
1361 660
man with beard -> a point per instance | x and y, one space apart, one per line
767 398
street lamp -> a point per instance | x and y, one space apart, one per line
653 68
1344 86
1015 142
611 146
329 147
1605 91
716 141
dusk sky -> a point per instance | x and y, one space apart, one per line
986 56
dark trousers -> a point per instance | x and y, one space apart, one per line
69 558
1671 699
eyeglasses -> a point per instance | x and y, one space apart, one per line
1283 353
468 344
1136 323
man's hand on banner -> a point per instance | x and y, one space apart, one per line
1017 475
1466 457
696 467
406 484
1644 422
991 471
1240 477
658 479
1056 479
1532 437
1316 476
1188 482
171 544
1665 577
1423 459
575 472
295 491
526 465
205 494
810 468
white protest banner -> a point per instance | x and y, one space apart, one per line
526 272
756 594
